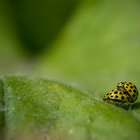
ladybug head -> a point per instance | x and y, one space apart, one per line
120 86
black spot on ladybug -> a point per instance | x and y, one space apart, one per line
107 93
134 91
112 90
110 93
131 87
120 93
133 95
125 92
111 96
116 96
116 92
122 97
130 90
126 86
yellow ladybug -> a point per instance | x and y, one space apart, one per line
130 89
117 96
126 92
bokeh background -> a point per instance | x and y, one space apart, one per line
91 44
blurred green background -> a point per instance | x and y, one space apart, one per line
91 44
28 27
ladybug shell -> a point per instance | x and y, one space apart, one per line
130 89
117 95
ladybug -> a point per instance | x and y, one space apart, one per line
130 89
126 92
117 96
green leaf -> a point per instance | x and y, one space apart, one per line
2 109
37 108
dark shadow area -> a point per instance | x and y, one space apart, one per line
136 105
40 21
